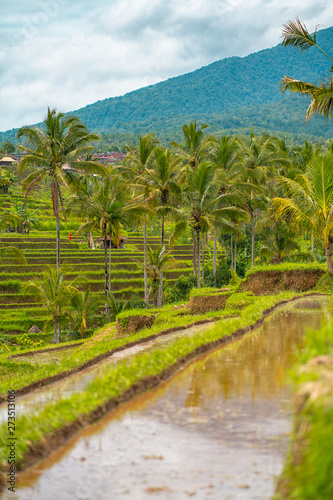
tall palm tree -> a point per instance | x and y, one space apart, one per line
207 207
139 159
296 34
162 181
308 202
62 140
106 207
258 158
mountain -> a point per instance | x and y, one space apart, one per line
230 95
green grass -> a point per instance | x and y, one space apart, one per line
287 266
307 473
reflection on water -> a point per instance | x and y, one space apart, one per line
36 400
216 430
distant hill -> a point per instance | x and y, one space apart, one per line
230 95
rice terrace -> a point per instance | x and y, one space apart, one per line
166 324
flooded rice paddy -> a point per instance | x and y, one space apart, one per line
216 430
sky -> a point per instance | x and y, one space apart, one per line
66 54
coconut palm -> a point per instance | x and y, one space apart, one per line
62 140
280 244
158 261
135 164
82 306
106 207
54 293
10 219
258 159
208 207
308 202
296 34
195 144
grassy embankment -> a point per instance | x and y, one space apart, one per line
307 473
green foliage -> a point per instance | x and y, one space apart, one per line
240 300
25 342
286 266
325 284
307 472
181 289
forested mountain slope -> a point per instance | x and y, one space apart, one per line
231 95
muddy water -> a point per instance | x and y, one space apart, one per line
62 389
217 430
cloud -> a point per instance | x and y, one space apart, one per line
67 54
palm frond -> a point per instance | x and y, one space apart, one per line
296 34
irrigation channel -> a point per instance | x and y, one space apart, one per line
216 430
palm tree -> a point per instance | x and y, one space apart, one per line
208 208
83 305
158 261
280 244
296 34
106 208
137 161
9 219
258 158
309 202
53 293
195 144
62 140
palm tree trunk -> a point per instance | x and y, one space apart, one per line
194 253
106 262
160 291
235 248
231 253
252 239
91 240
109 287
215 253
55 329
328 251
312 241
198 263
56 213
203 263
145 273
162 230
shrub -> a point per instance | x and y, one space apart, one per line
181 289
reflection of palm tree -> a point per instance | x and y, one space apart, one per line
295 34
309 202
62 141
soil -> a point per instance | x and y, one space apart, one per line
274 282
205 303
